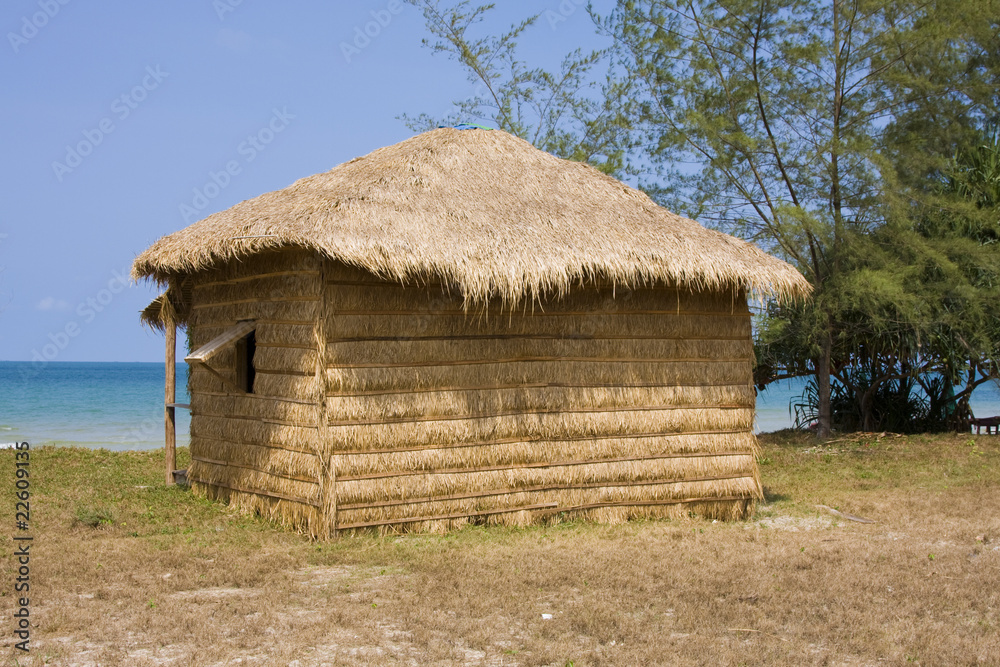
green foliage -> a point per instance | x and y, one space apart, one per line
976 178
94 516
917 326
570 113
896 406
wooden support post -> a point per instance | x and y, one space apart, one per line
169 421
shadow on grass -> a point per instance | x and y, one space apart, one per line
788 437
771 497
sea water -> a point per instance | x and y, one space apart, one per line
120 405
100 405
776 404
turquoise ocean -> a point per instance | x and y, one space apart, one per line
114 406
119 406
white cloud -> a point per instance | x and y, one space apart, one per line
51 303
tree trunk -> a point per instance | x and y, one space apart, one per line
823 387
962 418
867 421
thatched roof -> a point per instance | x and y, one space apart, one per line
173 305
485 211
153 315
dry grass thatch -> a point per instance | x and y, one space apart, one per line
155 315
486 212
397 411
171 306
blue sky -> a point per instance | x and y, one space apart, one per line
122 118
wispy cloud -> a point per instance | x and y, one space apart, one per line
52 303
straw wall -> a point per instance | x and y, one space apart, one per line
259 451
607 404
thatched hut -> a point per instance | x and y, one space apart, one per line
461 327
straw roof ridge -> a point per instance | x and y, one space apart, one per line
485 211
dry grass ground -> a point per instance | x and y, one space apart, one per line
127 572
